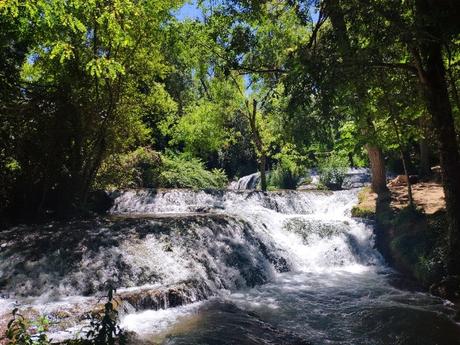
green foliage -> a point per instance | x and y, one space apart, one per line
139 168
283 178
102 330
147 168
88 84
183 171
291 167
332 170
21 331
351 142
205 127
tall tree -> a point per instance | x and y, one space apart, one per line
436 24
335 13
92 70
415 36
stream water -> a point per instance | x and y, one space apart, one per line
233 267
336 288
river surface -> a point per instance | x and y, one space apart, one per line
234 267
338 289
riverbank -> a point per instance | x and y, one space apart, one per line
412 240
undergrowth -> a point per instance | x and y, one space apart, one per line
103 328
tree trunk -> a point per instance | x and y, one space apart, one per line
336 15
379 179
406 172
403 158
258 144
424 170
350 160
432 76
439 107
263 175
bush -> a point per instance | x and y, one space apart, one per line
139 168
332 171
103 328
283 178
182 171
145 167
21 331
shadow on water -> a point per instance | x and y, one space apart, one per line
224 323
280 268
343 308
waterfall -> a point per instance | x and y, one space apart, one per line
309 230
169 249
216 239
354 178
246 182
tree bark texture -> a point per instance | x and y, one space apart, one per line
379 179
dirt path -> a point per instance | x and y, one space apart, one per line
428 196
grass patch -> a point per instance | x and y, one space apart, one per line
366 207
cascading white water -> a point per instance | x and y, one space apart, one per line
336 277
283 267
246 182
313 230
354 178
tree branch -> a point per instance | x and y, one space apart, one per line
319 23
394 65
243 70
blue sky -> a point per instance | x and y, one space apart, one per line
189 11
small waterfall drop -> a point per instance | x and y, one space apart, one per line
195 242
246 182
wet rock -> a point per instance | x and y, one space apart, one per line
78 258
166 297
202 209
448 288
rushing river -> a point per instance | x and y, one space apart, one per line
235 267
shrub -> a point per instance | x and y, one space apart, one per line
21 331
103 328
145 167
182 171
332 171
283 178
139 168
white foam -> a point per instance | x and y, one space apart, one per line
150 321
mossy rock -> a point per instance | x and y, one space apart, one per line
362 212
419 252
366 207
